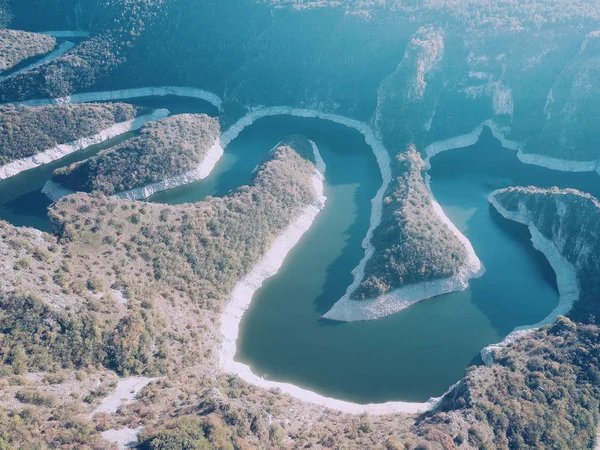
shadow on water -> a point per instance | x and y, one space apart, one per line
30 209
33 203
488 166
520 234
337 272
21 200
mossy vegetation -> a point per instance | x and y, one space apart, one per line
191 432
175 266
186 247
541 392
163 149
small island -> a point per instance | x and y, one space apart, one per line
164 149
418 253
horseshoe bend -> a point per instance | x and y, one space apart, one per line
282 224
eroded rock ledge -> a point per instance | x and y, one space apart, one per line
563 226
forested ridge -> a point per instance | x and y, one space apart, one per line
59 310
136 288
411 244
17 46
187 247
163 149
25 131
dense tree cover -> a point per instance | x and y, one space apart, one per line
412 244
25 131
77 69
474 13
119 24
199 252
542 392
27 427
17 46
163 149
176 266
191 432
275 57
34 337
206 248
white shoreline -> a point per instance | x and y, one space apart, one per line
548 162
66 33
345 308
380 152
55 191
241 298
212 156
566 278
562 165
59 51
122 94
233 315
15 167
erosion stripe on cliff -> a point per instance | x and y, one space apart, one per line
204 169
566 278
548 162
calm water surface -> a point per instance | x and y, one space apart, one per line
21 200
413 355
417 353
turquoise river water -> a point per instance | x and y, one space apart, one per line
410 356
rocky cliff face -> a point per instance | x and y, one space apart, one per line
571 109
569 219
407 99
495 406
422 75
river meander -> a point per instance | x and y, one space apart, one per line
410 356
